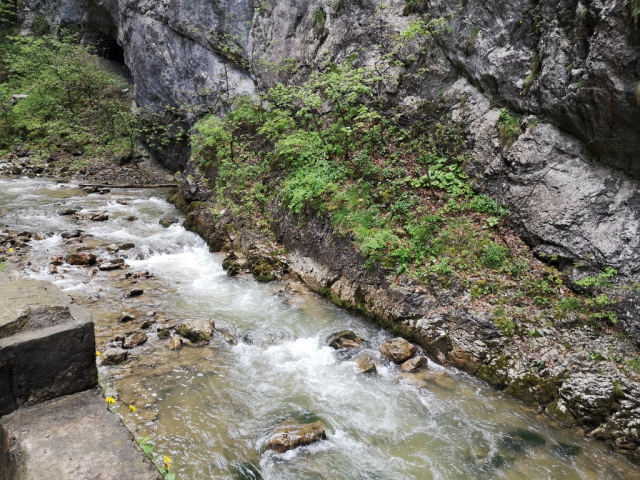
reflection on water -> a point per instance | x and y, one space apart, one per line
212 408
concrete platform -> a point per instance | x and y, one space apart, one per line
47 345
70 438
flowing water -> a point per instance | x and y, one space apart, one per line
212 408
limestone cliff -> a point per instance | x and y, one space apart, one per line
569 68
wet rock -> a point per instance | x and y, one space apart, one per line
127 317
235 263
344 339
130 218
136 292
175 343
167 221
99 217
164 333
52 269
72 234
134 339
413 364
114 356
113 248
127 246
39 237
81 259
292 434
397 350
67 211
366 363
147 323
197 331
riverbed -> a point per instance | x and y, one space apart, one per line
211 408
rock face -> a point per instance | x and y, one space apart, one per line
197 331
47 345
397 350
570 180
292 434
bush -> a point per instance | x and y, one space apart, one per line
494 256
509 128
73 102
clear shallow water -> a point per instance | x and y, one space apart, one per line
212 408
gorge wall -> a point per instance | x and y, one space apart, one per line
568 68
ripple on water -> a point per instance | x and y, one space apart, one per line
212 408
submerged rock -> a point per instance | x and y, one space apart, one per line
197 331
81 259
136 292
127 317
397 350
114 356
291 434
344 339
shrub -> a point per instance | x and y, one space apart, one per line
509 128
494 256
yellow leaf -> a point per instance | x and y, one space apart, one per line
133 409
97 353
110 400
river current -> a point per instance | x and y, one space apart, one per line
212 408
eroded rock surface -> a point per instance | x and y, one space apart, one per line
293 434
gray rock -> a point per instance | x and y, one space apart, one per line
47 345
113 356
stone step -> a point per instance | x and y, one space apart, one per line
70 438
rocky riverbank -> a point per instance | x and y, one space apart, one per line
559 364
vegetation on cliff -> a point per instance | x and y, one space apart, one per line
395 182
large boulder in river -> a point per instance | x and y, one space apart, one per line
344 339
81 259
197 331
291 434
397 350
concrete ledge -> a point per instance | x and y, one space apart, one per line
73 437
47 345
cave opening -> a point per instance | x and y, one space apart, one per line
111 50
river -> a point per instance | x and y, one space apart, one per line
212 408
